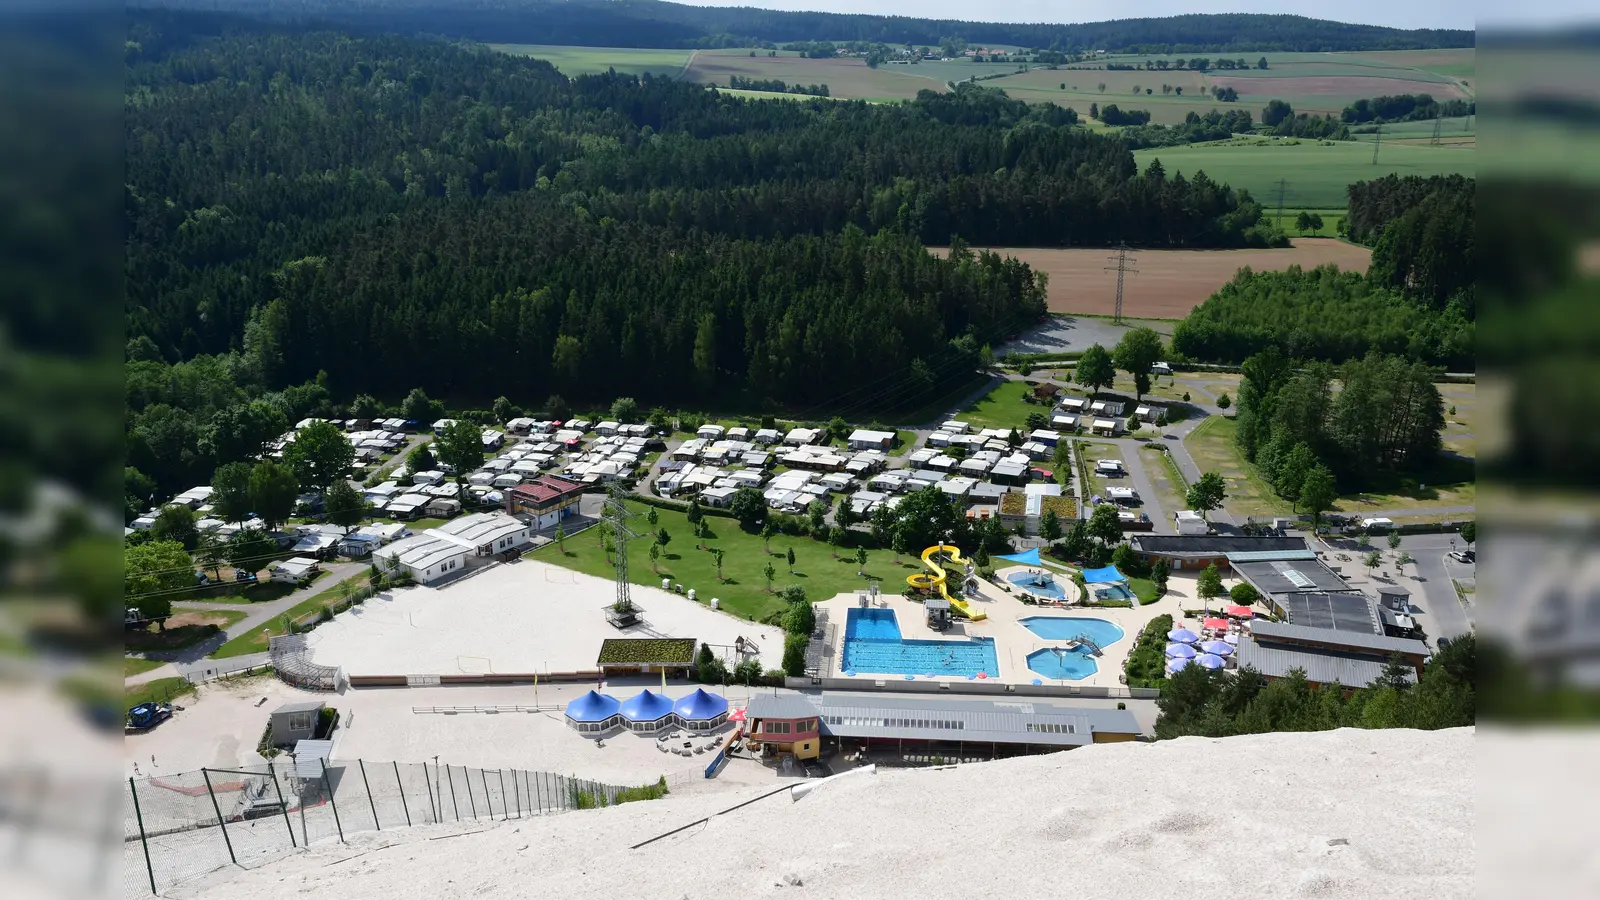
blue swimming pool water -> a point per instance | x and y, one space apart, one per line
872 643
1070 665
1023 580
1065 628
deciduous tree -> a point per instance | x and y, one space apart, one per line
320 455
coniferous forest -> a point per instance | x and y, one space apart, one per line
482 225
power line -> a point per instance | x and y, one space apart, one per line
1377 141
1438 125
1124 266
1283 185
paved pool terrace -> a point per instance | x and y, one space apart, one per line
1013 641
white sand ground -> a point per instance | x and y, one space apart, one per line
1346 814
1013 641
221 726
523 617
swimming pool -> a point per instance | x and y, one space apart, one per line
1057 662
1065 628
1053 590
872 643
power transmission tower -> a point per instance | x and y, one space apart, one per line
1283 185
1377 140
616 512
1438 125
1124 266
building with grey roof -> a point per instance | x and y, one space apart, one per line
1321 667
1341 611
1368 642
1196 551
999 727
1288 576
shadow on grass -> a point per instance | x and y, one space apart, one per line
182 637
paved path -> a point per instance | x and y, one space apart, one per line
1433 595
193 658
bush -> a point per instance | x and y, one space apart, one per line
1244 594
1147 664
327 720
644 792
794 654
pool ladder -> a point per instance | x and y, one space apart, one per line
1084 640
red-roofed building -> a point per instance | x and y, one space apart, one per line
545 499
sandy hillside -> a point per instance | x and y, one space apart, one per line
1347 814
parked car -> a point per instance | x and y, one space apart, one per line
1464 556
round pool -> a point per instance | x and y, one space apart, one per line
1029 582
1065 628
1062 664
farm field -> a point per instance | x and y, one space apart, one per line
573 61
770 95
1318 172
846 78
1170 283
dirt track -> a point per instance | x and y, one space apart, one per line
1170 282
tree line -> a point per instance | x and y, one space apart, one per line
647 23
1196 128
776 86
1422 231
1323 314
1405 108
1198 701
1285 122
1384 420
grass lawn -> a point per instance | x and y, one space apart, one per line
1213 449
743 593
574 61
1171 492
161 690
184 629
133 665
256 640
1002 407
1144 589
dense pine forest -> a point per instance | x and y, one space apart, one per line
650 23
487 225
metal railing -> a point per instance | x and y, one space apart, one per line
179 827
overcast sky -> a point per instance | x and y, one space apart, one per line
1394 13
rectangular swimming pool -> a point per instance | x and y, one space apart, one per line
872 643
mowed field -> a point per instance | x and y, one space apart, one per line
846 78
1317 172
1170 283
1310 82
574 61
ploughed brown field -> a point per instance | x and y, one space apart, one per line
1170 282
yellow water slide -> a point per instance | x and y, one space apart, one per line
940 577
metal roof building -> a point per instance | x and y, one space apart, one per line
1038 723
1320 610
1288 576
1368 642
1350 670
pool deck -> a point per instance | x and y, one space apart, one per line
1013 641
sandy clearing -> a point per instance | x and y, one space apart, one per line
1170 282
1342 814
524 617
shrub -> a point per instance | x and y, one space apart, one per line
1147 662
794 654
643 792
1244 594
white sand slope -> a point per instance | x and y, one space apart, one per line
1347 814
521 618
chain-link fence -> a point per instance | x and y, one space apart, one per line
178 827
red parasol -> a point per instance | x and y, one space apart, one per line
1215 623
1240 612
736 716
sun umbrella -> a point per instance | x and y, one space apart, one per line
1217 648
1216 624
1231 640
1210 660
1182 636
1180 651
1174 665
736 716
1038 681
850 672
1240 612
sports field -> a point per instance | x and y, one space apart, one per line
1170 282
573 61
1317 172
850 79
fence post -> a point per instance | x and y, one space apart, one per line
484 774
139 817
214 805
331 802
401 785
466 779
431 785
538 791
368 785
514 789
271 770
453 805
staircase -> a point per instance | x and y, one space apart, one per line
1083 640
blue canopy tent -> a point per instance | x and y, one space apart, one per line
701 711
1104 576
1030 558
647 711
594 712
